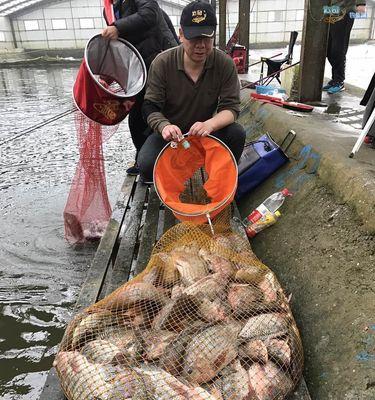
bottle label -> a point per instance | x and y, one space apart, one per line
267 220
258 213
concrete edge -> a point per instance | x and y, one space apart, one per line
349 179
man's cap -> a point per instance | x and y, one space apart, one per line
198 19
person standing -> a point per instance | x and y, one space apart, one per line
338 40
192 88
145 25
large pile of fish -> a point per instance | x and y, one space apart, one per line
205 320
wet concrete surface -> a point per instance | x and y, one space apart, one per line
41 274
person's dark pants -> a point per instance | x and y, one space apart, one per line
139 129
338 42
233 136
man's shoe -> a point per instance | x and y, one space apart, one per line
133 171
338 87
328 86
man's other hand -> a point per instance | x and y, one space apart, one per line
110 32
201 129
171 132
361 9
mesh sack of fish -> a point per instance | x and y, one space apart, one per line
205 320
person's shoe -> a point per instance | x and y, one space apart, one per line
338 87
133 171
328 86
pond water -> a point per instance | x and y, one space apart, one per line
40 273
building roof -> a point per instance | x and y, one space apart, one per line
8 7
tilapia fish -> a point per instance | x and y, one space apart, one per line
100 351
137 293
243 298
177 314
218 264
233 382
154 343
190 266
173 357
256 350
209 352
80 379
268 382
89 327
249 274
270 288
279 351
164 386
265 326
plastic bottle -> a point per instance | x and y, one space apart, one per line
263 223
269 206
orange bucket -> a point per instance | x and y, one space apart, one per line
207 167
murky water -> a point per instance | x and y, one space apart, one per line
40 274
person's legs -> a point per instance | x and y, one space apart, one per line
338 47
137 125
233 136
148 154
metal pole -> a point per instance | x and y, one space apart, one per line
313 51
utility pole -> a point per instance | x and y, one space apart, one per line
244 22
313 51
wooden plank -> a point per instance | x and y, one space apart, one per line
169 220
96 274
123 263
150 228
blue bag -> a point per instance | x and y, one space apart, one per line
258 161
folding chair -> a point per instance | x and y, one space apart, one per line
274 66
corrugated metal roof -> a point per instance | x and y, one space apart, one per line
9 7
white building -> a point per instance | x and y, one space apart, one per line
66 24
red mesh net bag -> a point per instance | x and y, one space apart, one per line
111 75
88 210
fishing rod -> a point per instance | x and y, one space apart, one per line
39 125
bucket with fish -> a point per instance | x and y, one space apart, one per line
196 181
205 320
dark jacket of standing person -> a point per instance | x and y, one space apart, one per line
146 26
149 29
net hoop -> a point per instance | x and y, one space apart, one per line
204 215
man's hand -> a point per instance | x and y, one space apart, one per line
110 32
172 132
201 129
361 9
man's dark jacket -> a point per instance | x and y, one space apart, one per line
146 26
